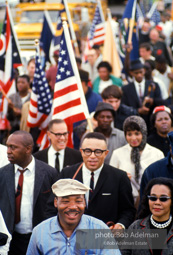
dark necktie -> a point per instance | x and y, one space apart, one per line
57 161
91 186
18 196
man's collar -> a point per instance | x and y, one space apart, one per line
30 167
53 151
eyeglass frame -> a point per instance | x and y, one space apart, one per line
65 134
91 151
160 198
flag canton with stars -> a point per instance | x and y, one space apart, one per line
97 20
64 65
41 89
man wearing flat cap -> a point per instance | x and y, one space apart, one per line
141 94
105 114
63 234
110 197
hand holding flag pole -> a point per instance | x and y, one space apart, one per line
132 22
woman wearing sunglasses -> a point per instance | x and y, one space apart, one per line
156 214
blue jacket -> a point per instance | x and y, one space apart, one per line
160 168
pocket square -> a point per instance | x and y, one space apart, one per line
106 194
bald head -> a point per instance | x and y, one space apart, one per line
25 138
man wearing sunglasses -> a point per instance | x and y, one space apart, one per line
58 155
110 198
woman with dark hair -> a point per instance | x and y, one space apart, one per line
105 78
135 156
161 123
156 214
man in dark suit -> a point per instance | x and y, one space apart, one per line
110 199
25 186
58 135
141 94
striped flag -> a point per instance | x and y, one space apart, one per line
40 103
9 59
96 34
69 101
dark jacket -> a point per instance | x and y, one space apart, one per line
112 199
71 156
45 176
144 224
160 168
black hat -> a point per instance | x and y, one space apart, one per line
102 106
84 76
136 64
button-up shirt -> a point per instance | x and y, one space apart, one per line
52 157
86 176
48 238
26 210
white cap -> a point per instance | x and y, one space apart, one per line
68 187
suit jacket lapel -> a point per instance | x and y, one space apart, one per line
10 182
146 89
134 95
39 177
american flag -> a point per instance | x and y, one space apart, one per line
96 34
40 103
9 59
69 100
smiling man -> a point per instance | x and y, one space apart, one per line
58 155
59 235
104 114
110 197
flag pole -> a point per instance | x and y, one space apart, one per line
132 22
71 29
76 73
14 32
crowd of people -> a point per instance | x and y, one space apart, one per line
117 178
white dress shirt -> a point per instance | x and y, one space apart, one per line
26 210
142 83
86 176
52 157
3 229
3 156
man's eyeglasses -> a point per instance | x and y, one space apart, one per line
97 152
60 134
162 199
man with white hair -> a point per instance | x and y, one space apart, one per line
70 232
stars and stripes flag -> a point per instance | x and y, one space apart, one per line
9 59
69 101
40 103
96 34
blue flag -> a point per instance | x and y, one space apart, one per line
46 36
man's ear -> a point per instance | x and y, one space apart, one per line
55 202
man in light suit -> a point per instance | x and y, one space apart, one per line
58 135
34 190
111 199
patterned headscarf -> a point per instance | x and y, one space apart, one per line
135 153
